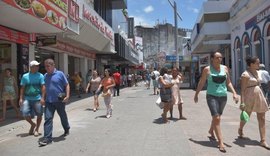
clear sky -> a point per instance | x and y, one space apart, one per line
149 12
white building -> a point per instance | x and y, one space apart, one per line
212 32
250 33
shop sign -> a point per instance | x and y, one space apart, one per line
130 27
74 50
73 17
172 58
258 18
53 12
13 36
90 16
204 60
73 11
45 40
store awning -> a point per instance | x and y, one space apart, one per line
93 38
18 19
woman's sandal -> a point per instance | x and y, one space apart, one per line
240 133
265 145
222 149
212 136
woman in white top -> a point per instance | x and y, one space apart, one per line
94 83
176 96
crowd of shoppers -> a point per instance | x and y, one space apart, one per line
52 91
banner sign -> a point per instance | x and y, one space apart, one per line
91 17
172 58
130 27
53 12
73 11
45 40
13 36
74 50
73 17
258 18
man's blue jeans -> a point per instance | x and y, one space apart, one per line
49 114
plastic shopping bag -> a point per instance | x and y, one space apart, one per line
159 103
244 116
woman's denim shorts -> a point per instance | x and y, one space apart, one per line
216 104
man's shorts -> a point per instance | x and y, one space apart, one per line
31 108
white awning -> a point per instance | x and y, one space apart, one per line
91 37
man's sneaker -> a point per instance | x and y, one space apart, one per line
66 133
45 142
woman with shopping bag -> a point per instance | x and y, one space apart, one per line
165 85
252 98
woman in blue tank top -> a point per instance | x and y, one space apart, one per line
218 78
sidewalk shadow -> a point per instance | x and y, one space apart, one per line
209 143
54 139
59 138
174 119
22 135
242 142
101 116
10 120
160 121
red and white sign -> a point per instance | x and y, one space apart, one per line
91 17
73 11
74 50
13 36
53 12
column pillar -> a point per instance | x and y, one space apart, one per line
31 52
63 62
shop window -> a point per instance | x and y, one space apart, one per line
268 31
246 41
256 36
5 53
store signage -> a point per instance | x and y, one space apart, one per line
172 58
91 17
45 40
73 11
73 17
130 27
258 18
13 36
74 50
53 12
62 4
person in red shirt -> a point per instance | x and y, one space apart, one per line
117 79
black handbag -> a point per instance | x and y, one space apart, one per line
61 96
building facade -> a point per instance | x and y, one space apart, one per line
73 33
159 48
237 28
250 27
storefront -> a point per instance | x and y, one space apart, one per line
14 51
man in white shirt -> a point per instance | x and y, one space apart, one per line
154 75
265 79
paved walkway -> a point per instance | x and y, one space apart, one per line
135 129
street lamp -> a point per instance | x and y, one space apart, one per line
176 31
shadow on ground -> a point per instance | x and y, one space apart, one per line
245 141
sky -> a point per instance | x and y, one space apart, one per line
151 12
